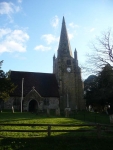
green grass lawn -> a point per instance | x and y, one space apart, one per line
58 141
32 118
93 117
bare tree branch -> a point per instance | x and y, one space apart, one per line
102 53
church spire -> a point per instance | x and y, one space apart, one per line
64 44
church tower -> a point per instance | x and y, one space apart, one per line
68 74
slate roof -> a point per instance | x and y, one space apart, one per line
45 83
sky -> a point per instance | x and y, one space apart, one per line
30 30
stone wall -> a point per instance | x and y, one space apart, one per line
53 103
69 83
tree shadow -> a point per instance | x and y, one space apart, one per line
57 143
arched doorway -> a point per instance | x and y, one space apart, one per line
33 106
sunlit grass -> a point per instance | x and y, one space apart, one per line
57 141
29 118
32 118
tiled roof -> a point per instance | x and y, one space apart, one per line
45 83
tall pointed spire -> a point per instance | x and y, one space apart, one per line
64 44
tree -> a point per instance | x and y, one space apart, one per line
102 53
99 91
107 44
105 83
6 86
88 81
90 88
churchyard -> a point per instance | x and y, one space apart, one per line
57 140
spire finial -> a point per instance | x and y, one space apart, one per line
63 18
54 57
75 54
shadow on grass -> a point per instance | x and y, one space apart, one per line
91 117
56 143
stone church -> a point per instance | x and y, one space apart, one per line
45 91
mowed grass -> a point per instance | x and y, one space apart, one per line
32 118
57 141
92 117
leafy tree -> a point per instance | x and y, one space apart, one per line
6 86
99 91
106 84
90 88
88 81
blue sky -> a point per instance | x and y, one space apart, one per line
30 30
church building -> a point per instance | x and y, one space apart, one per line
45 91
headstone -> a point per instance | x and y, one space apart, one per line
110 113
67 111
48 111
58 111
12 109
111 118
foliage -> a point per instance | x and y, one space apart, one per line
89 81
1 63
99 91
6 86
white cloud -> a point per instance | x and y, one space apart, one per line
91 30
8 8
42 48
49 38
13 40
72 25
18 35
4 32
71 36
19 1
55 21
